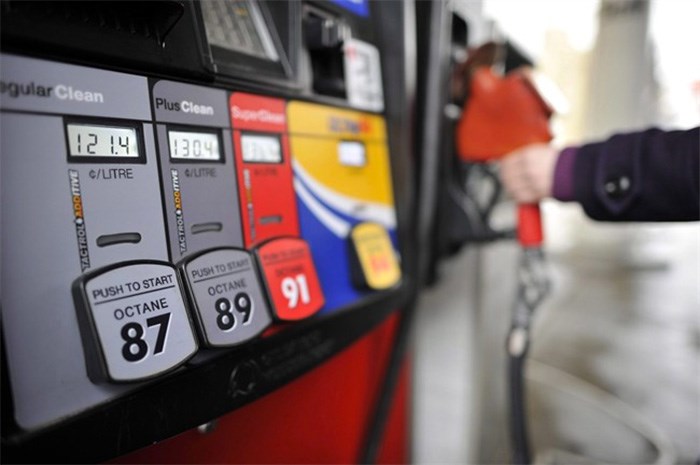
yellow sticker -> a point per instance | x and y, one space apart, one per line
376 255
320 120
316 160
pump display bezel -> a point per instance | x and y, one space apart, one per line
195 130
262 135
105 122
228 62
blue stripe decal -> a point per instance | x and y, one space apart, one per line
330 255
359 7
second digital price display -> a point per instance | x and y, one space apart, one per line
194 146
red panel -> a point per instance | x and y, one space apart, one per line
256 113
394 448
319 418
290 278
265 190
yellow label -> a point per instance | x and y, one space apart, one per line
376 255
320 120
316 160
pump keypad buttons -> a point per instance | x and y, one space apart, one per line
227 298
291 279
134 321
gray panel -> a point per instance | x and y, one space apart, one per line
122 198
140 320
58 210
40 262
43 86
229 304
174 102
208 195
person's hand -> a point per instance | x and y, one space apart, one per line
528 173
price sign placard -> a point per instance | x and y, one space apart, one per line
133 321
228 300
363 75
374 257
290 277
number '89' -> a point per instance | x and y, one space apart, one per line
225 318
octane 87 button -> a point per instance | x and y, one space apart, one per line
134 321
229 304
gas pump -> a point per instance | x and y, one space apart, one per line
164 221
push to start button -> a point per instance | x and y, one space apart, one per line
227 296
290 277
133 321
373 261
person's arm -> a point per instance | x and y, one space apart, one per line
645 176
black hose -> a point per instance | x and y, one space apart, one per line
518 417
380 413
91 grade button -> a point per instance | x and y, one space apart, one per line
133 321
290 277
228 299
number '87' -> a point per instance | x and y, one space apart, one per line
135 347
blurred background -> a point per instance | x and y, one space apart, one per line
615 369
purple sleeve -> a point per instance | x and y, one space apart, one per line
652 175
563 184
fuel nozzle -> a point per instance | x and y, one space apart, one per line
502 114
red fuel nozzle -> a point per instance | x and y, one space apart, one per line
502 114
530 225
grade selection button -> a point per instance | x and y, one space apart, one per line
290 277
373 260
134 321
228 299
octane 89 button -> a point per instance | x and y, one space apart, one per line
228 300
290 277
134 321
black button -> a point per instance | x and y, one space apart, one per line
617 187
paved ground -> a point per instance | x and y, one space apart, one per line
633 332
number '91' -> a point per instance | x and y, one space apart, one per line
295 289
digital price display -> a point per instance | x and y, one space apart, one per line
188 145
91 140
261 149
